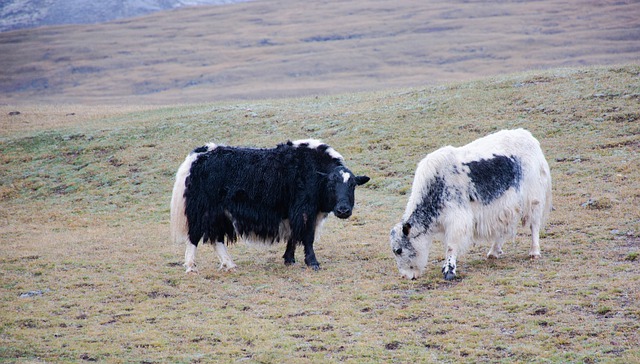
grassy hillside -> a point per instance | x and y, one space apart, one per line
291 48
88 272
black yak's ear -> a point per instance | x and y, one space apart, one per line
360 180
406 228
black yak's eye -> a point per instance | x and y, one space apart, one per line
398 251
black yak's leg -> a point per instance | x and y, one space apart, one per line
309 254
190 257
289 254
226 262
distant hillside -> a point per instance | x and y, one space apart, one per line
21 14
286 48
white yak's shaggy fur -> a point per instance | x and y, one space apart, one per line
475 193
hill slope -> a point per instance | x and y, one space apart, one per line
22 14
89 273
283 48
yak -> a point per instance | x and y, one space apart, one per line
223 193
475 193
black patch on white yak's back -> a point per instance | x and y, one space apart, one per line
492 177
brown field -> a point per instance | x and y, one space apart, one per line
88 273
284 48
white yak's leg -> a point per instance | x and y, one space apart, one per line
449 267
496 249
534 252
535 224
456 241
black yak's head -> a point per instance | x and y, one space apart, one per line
341 186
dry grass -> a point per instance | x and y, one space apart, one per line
275 48
88 272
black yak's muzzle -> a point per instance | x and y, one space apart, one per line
343 211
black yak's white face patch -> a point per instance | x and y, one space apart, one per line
345 176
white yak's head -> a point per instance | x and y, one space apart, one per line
410 248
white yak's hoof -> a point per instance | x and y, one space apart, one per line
449 272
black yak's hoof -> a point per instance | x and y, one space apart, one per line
312 263
289 262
